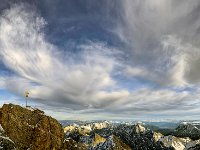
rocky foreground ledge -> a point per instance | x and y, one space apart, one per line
23 128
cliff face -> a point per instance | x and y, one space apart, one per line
29 128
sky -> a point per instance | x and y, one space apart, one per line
108 59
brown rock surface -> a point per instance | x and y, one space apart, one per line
97 139
30 128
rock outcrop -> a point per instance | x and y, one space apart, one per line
113 143
6 143
139 128
187 130
97 139
31 128
70 144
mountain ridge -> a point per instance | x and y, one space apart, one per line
28 128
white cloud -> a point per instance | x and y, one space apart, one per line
143 104
162 36
86 81
135 71
80 81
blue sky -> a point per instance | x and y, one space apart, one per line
116 59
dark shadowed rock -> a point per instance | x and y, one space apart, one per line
6 143
70 144
113 143
30 128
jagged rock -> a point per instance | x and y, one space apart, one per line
196 147
70 144
97 139
157 136
70 128
30 128
139 138
100 125
187 130
6 143
139 128
112 143
193 145
86 128
176 143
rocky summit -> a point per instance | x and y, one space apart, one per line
28 128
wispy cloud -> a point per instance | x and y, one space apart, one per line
52 76
157 49
163 39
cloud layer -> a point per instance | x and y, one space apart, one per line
163 39
160 48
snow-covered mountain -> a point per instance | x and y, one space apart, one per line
85 129
108 135
186 129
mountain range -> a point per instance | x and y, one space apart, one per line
26 128
136 136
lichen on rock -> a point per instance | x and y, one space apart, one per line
31 129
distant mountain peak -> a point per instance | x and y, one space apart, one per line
139 128
186 127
